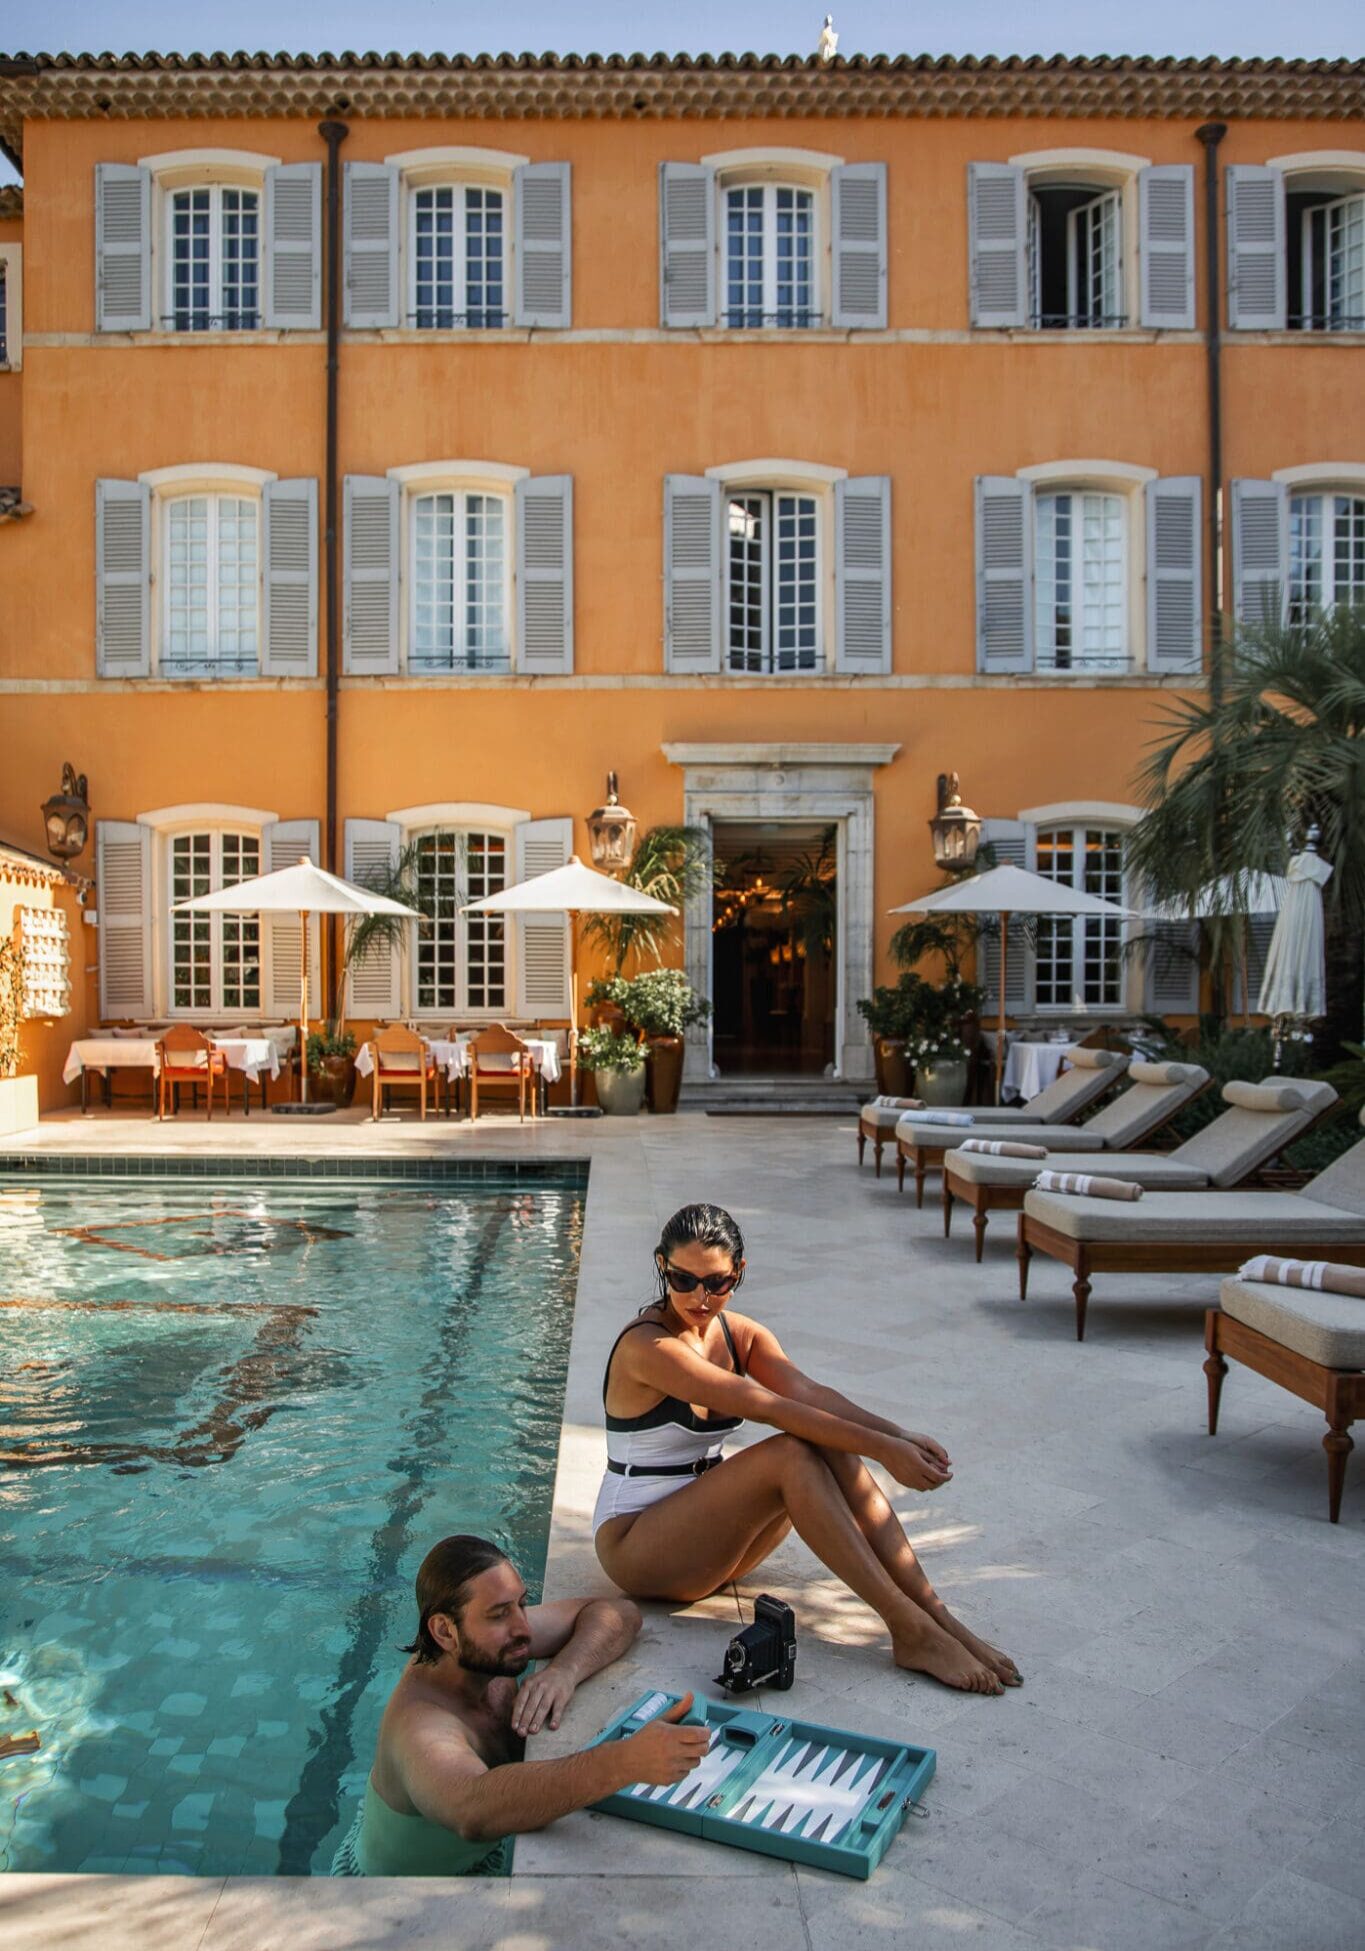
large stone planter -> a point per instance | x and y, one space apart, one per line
338 1079
663 1073
18 1105
893 1073
944 1083
620 1092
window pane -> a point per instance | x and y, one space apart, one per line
191 245
484 258
433 612
241 259
796 593
1348 549
191 935
485 582
433 249
1102 938
748 542
744 256
1080 582
795 222
485 952
1346 265
1055 982
235 648
438 887
241 934
187 579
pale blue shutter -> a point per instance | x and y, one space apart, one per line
292 235
289 512
1004 574
371 232
858 207
370 626
1166 246
997 225
284 844
1256 253
545 574
862 574
687 245
542 941
123 579
374 987
123 248
1013 844
1175 622
1260 550
692 573
123 893
544 253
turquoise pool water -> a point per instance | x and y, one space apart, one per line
233 1417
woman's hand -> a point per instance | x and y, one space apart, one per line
916 1467
936 1451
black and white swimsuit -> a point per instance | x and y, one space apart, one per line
651 1456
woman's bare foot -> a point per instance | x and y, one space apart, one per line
927 1648
1000 1663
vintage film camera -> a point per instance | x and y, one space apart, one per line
764 1654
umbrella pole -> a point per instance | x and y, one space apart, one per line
1000 1028
303 1007
573 1011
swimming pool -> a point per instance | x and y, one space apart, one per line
234 1414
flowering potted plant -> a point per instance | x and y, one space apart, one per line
618 1066
663 1006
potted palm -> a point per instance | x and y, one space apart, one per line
331 1060
892 1014
617 1064
673 863
662 1005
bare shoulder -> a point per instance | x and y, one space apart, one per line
419 1724
748 1333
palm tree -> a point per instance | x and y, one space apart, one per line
1235 778
398 882
673 863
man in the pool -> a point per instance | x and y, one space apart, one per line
449 1783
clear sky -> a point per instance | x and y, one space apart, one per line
1188 27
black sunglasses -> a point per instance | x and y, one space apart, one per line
715 1284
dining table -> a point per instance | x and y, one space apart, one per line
257 1057
1031 1067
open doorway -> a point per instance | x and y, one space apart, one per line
774 947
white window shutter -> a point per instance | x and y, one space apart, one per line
284 844
1256 254
123 248
374 984
370 628
997 212
1173 968
292 232
687 244
1004 574
289 514
545 574
858 206
1260 550
862 574
1166 246
1013 844
123 579
370 226
542 941
1175 607
123 875
544 245
692 573
1259 930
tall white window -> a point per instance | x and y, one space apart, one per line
214 252
1079 960
211 584
1080 581
770 269
461 958
1326 553
457 257
1075 256
773 581
215 959
1326 235
460 572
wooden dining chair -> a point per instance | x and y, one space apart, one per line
401 1057
499 1060
187 1057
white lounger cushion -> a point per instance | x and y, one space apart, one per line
1249 1218
1148 1101
880 1118
1254 1129
1143 1168
1327 1328
946 1137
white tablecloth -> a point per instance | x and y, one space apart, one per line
1030 1068
451 1054
253 1054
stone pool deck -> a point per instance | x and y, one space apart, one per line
1184 1769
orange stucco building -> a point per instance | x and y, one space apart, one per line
778 436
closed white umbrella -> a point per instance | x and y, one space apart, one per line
572 891
301 890
1007 891
1295 979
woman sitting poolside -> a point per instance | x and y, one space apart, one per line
675 1519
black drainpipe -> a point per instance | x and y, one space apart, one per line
1211 134
333 134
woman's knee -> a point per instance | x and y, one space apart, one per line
795 1460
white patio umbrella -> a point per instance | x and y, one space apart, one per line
303 890
1004 892
572 891
1295 980
1232 895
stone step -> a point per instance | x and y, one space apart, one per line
737 1097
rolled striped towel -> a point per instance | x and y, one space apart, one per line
1086 1183
942 1117
898 1103
1325 1276
1002 1148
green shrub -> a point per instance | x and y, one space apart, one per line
608 1050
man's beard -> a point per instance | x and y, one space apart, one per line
478 1659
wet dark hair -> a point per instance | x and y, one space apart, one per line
701 1225
442 1579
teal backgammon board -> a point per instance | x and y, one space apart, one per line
783 1787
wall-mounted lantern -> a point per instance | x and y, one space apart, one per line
66 816
611 832
955 828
